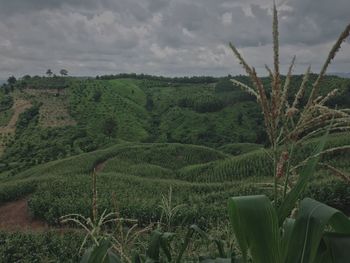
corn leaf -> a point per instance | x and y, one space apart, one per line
338 247
255 225
308 230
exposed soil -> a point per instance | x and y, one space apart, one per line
100 166
15 215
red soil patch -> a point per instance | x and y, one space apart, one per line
15 216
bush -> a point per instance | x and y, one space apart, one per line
40 247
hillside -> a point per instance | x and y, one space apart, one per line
69 116
138 174
202 137
191 142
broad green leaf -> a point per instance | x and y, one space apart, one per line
159 241
255 225
287 230
338 247
312 219
154 246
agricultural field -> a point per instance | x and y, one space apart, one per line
142 138
54 107
162 164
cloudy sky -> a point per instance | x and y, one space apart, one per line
165 37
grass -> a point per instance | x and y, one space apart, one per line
5 117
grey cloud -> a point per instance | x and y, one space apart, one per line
170 37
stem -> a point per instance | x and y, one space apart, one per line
287 171
94 197
275 161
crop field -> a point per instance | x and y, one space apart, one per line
54 109
143 138
138 175
174 131
166 136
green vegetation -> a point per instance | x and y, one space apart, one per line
138 174
81 115
5 117
147 136
39 247
165 153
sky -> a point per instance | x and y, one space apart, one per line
166 37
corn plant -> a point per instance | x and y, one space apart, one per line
169 210
105 245
289 123
263 230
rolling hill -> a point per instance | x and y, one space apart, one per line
143 135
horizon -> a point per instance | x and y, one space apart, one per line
3 80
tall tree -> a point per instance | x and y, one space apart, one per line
49 72
11 80
110 126
64 72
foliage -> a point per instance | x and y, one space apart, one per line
5 117
298 241
6 102
39 247
110 127
281 238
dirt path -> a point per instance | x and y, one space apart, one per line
15 216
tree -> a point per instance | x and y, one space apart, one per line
110 126
64 72
49 72
11 80
97 95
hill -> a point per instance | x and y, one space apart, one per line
69 116
200 139
202 136
139 174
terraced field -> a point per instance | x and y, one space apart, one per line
142 138
138 175
54 109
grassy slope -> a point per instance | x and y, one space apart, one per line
145 111
139 173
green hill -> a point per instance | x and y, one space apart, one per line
143 134
70 116
138 174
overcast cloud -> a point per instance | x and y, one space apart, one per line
165 37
